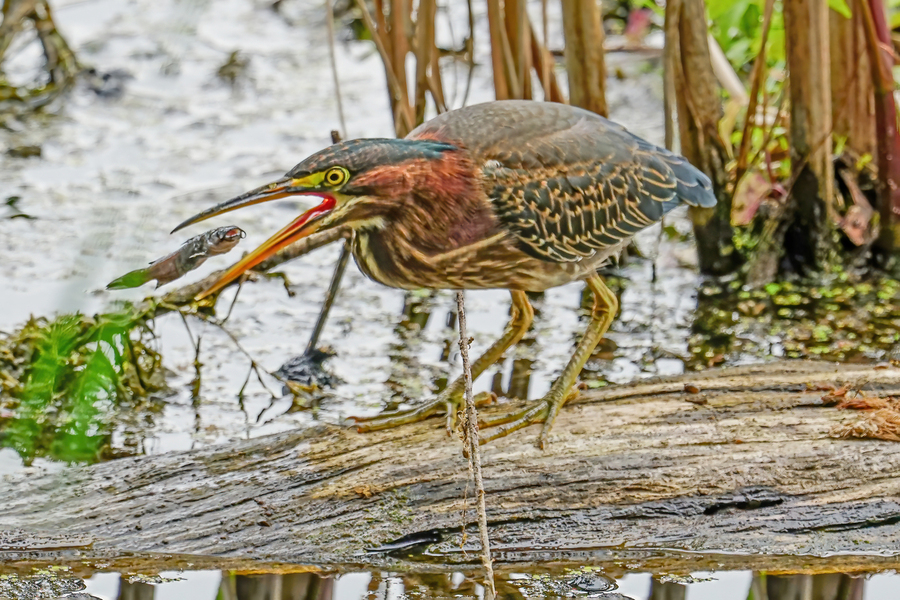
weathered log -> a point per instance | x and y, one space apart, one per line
737 473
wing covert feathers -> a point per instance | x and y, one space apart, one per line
567 182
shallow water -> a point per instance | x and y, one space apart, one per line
116 173
725 585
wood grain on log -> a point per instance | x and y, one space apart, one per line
739 474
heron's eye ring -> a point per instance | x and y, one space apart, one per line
335 176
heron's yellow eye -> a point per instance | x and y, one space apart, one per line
335 176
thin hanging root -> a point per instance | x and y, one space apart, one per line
474 452
481 399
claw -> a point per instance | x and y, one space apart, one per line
452 411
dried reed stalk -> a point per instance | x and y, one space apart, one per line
545 66
881 60
404 115
699 110
543 62
812 170
502 88
518 33
424 49
395 36
585 62
757 77
852 86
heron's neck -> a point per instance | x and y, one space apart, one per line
435 203
446 207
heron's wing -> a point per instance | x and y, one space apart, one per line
565 181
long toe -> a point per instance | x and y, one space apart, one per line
395 419
555 405
503 425
446 403
543 411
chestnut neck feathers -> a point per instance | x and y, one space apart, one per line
426 198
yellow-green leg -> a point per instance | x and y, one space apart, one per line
452 398
545 410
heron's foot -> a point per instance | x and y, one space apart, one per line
447 403
543 411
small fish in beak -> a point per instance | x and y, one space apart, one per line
303 226
191 255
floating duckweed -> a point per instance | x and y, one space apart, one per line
822 333
792 299
843 321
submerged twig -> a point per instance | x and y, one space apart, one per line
60 63
234 300
474 452
197 381
336 277
253 364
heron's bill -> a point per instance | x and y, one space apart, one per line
303 226
272 191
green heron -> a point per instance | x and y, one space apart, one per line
518 195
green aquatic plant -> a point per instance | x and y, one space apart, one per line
835 320
63 379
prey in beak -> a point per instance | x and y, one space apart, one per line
358 180
304 225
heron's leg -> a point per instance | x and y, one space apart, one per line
545 410
452 397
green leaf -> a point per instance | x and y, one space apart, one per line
840 7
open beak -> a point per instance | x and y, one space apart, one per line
304 225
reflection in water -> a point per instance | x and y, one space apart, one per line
841 321
833 586
136 591
405 381
581 583
293 586
660 590
525 353
412 381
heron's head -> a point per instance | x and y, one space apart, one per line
359 182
